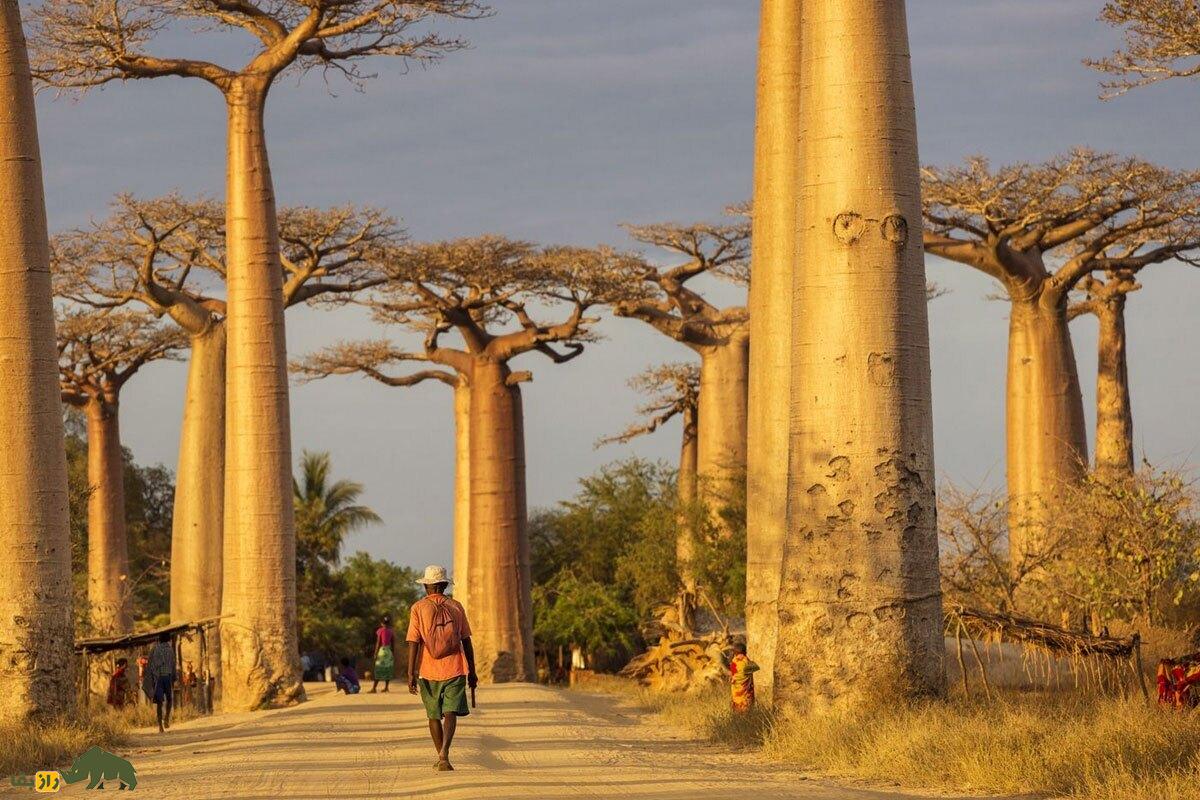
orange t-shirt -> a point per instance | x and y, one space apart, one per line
420 620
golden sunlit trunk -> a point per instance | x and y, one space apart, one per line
197 528
1114 412
860 613
685 545
108 581
260 660
499 575
776 161
462 491
1047 440
36 658
721 432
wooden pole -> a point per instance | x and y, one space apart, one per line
962 665
1137 664
203 682
987 688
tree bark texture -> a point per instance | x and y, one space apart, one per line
1047 439
860 613
685 543
462 492
197 530
36 636
108 582
721 439
1114 411
259 654
499 547
773 258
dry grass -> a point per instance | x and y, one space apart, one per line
1045 744
54 744
1106 749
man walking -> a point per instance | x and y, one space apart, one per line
441 662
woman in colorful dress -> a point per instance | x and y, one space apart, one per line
741 678
118 684
385 655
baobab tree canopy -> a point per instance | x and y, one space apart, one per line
100 351
1091 211
673 389
84 43
168 253
1162 40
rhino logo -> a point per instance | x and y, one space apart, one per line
98 766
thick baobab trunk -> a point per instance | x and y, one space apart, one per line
860 612
198 524
108 580
685 544
1047 441
499 573
1114 413
462 492
773 256
260 660
721 432
35 607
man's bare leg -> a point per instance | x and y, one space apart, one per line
435 730
449 723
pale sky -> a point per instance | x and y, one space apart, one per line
568 117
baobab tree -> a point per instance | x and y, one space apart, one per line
1162 41
80 44
720 336
860 613
98 352
772 262
674 391
168 255
1105 299
376 360
1039 230
36 635
485 290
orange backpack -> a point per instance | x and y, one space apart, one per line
444 637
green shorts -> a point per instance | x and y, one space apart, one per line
444 697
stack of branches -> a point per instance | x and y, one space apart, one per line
694 646
1101 663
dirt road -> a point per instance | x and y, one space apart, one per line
522 742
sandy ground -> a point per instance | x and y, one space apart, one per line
523 741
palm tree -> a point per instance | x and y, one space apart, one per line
325 513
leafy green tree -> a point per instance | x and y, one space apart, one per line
581 612
603 560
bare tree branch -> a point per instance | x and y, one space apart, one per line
1162 40
667 303
1083 212
79 44
674 389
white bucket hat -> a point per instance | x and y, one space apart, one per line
434 573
